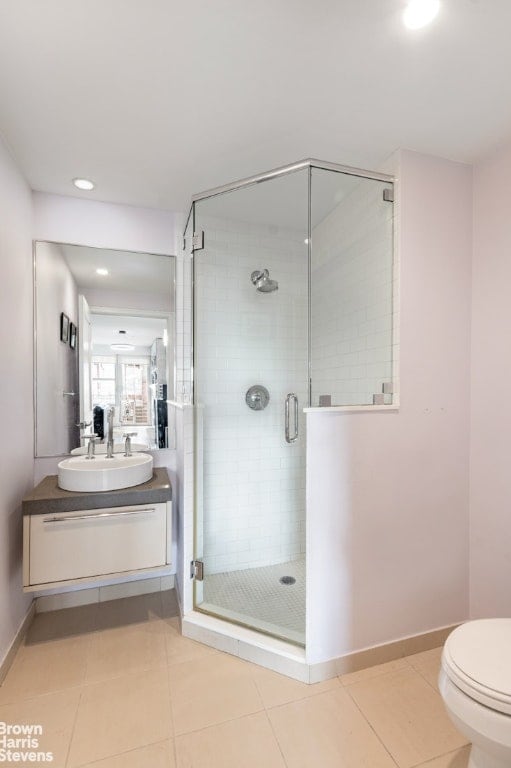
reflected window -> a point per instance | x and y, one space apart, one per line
124 383
135 402
103 380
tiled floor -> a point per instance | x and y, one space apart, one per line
115 685
256 597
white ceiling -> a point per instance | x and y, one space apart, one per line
127 270
140 331
159 99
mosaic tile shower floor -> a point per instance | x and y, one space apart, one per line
256 597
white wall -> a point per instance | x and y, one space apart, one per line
185 519
103 225
490 487
57 363
387 532
16 446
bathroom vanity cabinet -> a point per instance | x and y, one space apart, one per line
77 538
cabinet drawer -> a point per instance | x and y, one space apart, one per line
75 545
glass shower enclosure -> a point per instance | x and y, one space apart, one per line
292 308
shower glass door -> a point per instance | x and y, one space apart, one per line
251 383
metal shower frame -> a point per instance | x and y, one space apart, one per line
283 170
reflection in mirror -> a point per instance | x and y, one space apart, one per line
104 338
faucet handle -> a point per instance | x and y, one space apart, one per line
83 424
127 446
92 445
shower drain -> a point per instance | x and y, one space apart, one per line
287 580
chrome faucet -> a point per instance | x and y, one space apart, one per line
110 434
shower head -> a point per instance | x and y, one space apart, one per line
261 280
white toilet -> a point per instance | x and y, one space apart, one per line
475 684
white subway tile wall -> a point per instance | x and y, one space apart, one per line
253 481
351 295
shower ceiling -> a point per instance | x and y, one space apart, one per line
158 100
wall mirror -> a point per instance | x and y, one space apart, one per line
103 338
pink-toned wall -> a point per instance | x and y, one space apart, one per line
388 492
490 457
16 445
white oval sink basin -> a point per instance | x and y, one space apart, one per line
118 448
101 474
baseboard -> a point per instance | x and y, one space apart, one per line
380 654
291 661
18 639
77 597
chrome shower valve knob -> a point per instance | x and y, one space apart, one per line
257 397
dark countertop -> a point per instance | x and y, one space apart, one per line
47 497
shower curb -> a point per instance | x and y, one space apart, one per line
290 660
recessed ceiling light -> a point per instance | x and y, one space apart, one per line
85 184
122 347
102 271
418 13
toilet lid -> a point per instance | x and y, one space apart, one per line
477 658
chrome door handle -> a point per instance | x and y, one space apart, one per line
290 397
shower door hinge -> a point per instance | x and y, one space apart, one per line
198 240
197 570
388 195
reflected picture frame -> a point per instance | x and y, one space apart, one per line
72 335
64 327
